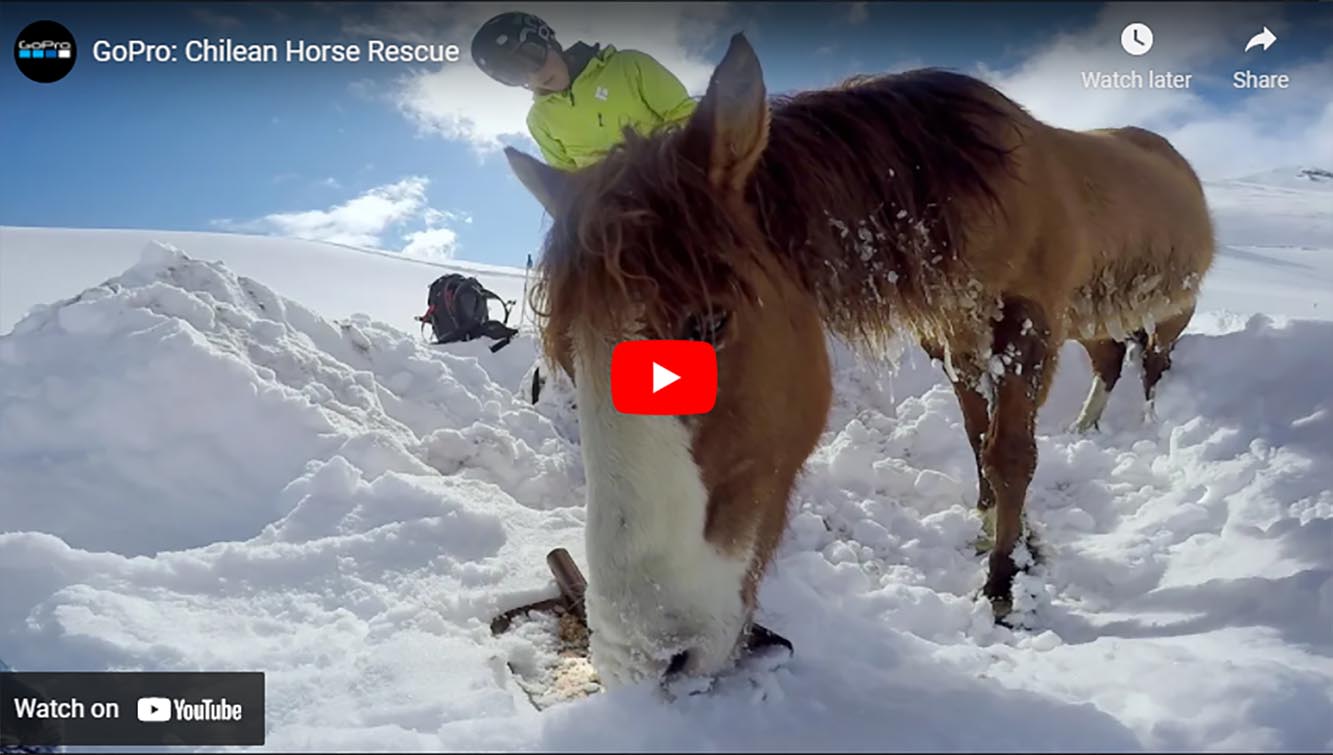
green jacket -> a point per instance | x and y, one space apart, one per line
577 127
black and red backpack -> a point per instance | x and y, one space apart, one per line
456 310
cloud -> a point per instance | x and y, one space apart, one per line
432 243
366 220
458 102
437 241
435 217
369 220
858 13
1274 127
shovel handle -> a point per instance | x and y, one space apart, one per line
568 577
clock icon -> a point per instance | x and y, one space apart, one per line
1136 39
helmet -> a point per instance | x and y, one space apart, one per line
512 46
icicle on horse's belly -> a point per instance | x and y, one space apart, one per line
1116 306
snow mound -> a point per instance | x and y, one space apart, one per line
44 264
199 474
176 402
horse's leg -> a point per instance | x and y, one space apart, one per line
1157 350
976 417
1009 453
1108 357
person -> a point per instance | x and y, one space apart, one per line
584 96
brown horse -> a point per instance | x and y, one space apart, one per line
925 201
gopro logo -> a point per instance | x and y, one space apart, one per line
45 44
154 709
45 52
47 48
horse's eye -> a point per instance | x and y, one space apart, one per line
707 327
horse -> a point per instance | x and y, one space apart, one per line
924 202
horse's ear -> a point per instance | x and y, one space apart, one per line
546 183
729 128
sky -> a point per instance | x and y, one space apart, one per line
406 157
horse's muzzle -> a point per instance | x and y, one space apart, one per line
757 640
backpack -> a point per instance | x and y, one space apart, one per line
456 310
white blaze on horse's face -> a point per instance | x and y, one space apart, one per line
656 587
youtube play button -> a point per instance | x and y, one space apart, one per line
664 377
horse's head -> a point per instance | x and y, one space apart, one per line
658 241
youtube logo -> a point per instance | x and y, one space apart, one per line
664 377
154 709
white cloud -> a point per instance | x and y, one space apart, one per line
459 102
436 241
432 243
1278 132
858 13
359 221
366 220
369 220
436 217
1265 129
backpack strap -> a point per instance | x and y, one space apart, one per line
489 294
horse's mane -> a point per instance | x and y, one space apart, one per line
861 191
869 185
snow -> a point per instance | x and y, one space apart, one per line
1276 258
42 265
223 452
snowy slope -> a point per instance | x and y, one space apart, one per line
198 471
41 265
1276 234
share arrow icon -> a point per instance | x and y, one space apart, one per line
1265 38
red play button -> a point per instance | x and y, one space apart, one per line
664 377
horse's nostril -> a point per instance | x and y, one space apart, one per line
678 662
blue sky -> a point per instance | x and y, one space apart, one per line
404 157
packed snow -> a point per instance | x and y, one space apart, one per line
233 453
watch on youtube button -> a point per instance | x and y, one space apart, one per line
664 377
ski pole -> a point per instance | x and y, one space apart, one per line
523 309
